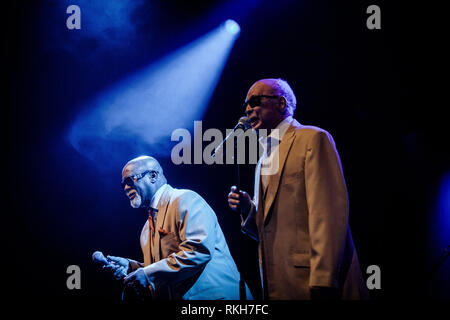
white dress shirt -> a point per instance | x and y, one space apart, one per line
270 157
158 195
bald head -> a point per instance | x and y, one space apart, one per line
143 163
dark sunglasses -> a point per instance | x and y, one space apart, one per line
131 180
256 100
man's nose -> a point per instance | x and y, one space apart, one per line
248 110
126 188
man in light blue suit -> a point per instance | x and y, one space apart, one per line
185 252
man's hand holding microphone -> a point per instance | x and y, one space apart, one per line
239 200
119 268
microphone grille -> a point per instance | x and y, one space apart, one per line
244 122
97 256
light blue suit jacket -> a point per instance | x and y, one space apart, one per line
189 258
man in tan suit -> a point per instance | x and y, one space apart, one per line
185 252
299 213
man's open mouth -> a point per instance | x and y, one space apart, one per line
254 121
132 195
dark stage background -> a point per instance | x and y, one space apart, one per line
378 92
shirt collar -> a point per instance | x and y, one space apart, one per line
157 196
282 127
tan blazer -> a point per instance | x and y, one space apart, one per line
301 220
189 258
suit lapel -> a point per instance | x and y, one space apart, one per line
259 200
274 180
162 207
257 186
145 243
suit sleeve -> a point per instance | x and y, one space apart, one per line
248 224
134 265
197 224
327 202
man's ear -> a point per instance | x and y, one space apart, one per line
283 105
153 176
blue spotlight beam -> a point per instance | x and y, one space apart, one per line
232 27
144 109
443 214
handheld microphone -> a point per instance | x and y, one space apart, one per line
100 259
129 294
243 123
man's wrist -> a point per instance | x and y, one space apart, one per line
246 213
130 265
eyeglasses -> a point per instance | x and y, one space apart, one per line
131 180
256 100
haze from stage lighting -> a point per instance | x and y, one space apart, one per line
138 115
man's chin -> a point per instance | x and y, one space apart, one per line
256 126
136 202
